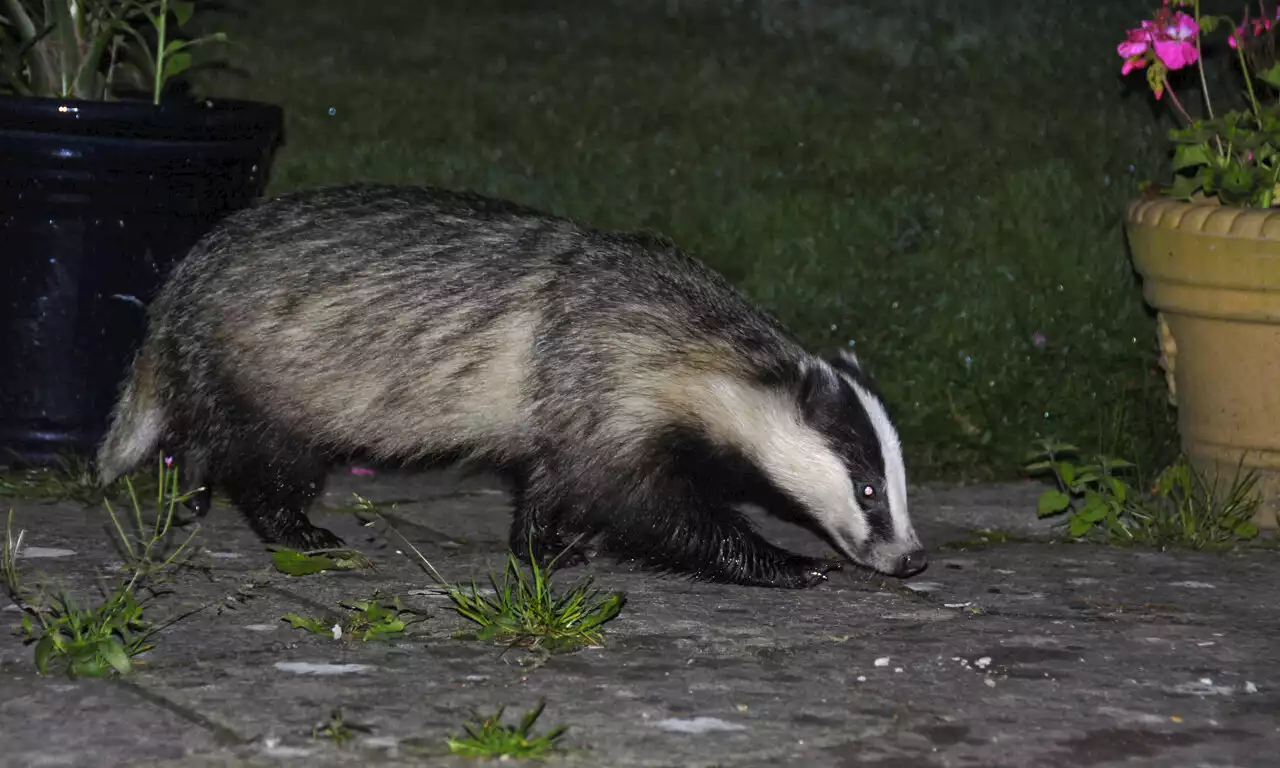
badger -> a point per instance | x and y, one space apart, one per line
628 394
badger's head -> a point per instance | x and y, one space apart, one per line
856 477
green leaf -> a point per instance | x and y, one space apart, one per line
296 563
1271 75
1068 474
113 652
1246 529
1237 179
1051 503
1190 155
1118 489
1094 509
1185 186
175 64
43 649
182 12
306 622
1079 526
1088 476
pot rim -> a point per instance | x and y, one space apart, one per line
1204 218
210 119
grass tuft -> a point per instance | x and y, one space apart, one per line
102 639
525 609
69 479
490 738
338 729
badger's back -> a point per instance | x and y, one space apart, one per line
411 321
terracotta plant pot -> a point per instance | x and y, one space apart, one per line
1213 273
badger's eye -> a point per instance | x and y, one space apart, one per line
868 491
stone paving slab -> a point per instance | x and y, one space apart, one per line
1017 654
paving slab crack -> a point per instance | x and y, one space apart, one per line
325 610
222 734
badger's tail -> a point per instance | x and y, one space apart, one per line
137 421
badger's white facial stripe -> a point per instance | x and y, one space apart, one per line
894 469
769 426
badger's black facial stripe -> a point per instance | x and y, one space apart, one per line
833 408
879 523
859 377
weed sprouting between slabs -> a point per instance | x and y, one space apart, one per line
490 738
98 640
72 479
338 729
371 619
1182 509
525 609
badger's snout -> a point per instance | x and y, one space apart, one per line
911 563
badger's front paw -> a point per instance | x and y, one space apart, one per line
802 572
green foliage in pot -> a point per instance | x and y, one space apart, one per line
92 49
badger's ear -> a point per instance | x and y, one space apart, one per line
820 390
846 361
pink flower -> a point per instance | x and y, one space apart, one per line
1175 42
1133 50
363 472
1258 26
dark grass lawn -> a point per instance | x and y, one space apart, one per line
940 193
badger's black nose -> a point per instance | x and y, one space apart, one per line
912 563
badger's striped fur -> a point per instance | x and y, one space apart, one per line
626 391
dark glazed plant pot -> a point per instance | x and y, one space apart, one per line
98 200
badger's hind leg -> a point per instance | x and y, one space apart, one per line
193 474
273 483
537 524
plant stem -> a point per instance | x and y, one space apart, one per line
160 28
1178 103
1204 83
1248 82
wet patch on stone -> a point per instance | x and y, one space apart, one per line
808 718
945 735
43 552
853 756
316 668
697 725
1107 745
